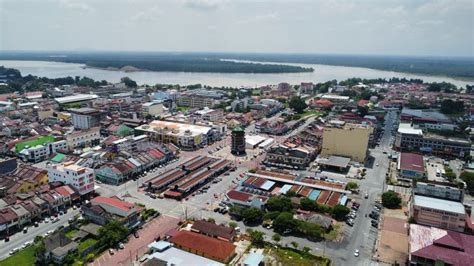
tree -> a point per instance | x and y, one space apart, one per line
310 230
276 237
211 220
252 215
306 250
297 104
391 200
449 106
352 185
129 82
284 222
256 238
339 212
271 215
468 177
294 244
308 205
90 257
233 224
280 203
112 233
362 110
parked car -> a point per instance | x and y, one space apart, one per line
111 252
350 222
135 234
121 245
356 253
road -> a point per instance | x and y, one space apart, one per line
18 239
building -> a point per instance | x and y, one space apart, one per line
185 136
439 190
83 138
74 99
8 219
252 141
211 229
85 118
427 119
336 98
306 88
81 178
411 165
208 247
57 247
211 115
153 109
200 98
347 140
238 141
294 157
102 210
440 213
434 246
39 148
409 138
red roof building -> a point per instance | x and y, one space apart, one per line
430 245
411 165
205 246
114 205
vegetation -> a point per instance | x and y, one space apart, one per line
297 104
233 224
71 233
128 82
339 212
468 177
290 256
24 257
252 215
276 238
112 233
352 185
83 245
256 238
449 106
391 200
280 204
147 213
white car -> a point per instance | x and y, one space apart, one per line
377 164
356 253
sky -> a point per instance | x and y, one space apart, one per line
383 27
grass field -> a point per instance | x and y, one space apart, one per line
85 244
34 142
25 257
288 256
71 233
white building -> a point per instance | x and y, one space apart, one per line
42 152
79 177
152 108
83 138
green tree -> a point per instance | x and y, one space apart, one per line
294 244
306 250
297 104
276 237
468 177
362 110
112 233
233 224
310 230
449 106
256 238
271 215
339 212
280 203
308 205
129 82
90 257
284 222
352 185
252 215
391 200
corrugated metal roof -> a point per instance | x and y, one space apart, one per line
439 204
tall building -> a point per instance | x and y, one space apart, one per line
238 141
347 140
85 118
79 177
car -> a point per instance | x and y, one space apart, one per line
375 223
217 209
121 245
55 220
13 251
25 230
111 252
153 196
135 234
377 164
350 222
366 195
36 224
224 211
356 253
46 220
74 207
50 232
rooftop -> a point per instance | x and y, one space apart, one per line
439 204
405 128
435 244
115 202
76 98
411 161
179 257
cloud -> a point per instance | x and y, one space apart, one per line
147 15
204 4
259 18
76 6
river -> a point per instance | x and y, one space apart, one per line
321 73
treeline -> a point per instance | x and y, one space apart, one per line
452 67
158 62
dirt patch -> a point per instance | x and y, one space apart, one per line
393 237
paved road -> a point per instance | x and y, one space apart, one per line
18 239
362 236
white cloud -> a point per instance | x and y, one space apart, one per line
204 4
76 5
259 18
147 15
